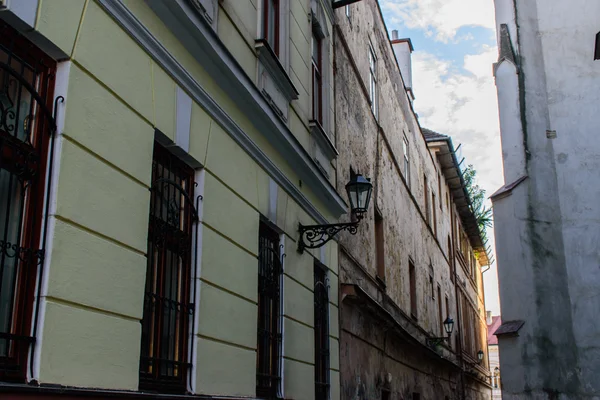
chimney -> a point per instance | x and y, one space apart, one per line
403 49
488 315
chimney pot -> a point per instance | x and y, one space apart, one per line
489 317
403 49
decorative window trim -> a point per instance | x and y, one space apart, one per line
323 140
322 133
273 80
319 15
275 68
208 9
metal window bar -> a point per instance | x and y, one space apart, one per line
26 128
321 294
168 311
268 359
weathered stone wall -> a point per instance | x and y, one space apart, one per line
373 355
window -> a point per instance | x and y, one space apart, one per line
25 130
317 78
271 24
385 394
431 284
373 81
447 315
416 396
380 245
440 312
426 196
597 51
413 289
440 189
433 209
268 353
321 332
167 309
406 166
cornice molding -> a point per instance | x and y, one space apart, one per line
201 41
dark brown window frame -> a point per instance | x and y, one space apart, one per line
25 161
317 78
164 359
322 344
276 24
269 339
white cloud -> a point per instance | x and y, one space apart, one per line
444 17
463 104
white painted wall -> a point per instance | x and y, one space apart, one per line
513 148
548 229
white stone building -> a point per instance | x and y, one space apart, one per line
547 219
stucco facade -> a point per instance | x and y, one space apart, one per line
192 76
402 273
546 214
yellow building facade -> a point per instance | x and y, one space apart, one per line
186 142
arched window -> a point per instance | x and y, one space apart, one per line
597 52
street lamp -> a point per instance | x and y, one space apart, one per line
359 191
448 327
480 355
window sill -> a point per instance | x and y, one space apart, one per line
323 139
381 282
271 62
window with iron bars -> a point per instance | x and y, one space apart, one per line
164 361
26 127
321 294
268 355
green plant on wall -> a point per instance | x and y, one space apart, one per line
482 213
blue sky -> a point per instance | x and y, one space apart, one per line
469 39
455 47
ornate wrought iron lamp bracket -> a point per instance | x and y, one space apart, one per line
315 236
432 342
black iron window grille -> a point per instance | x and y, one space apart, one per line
321 332
26 129
168 310
268 358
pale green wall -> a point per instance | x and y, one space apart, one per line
117 96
